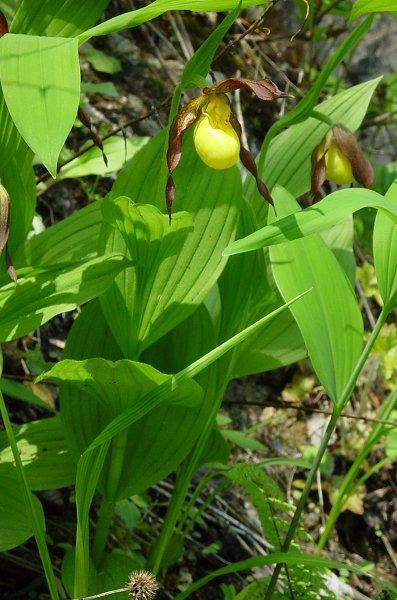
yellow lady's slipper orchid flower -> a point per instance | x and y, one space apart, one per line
217 134
338 168
215 140
339 159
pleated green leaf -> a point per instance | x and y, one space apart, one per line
161 393
15 525
385 251
328 316
139 456
44 75
157 8
44 293
332 209
152 243
362 7
174 282
45 458
73 239
65 18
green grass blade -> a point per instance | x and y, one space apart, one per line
157 8
88 472
31 506
288 558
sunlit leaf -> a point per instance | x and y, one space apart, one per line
361 7
36 17
385 251
44 74
44 293
329 316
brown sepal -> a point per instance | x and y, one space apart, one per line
264 89
185 118
3 25
10 267
347 143
85 119
318 171
249 162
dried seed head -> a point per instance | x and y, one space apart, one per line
142 585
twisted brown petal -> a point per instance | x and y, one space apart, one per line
185 118
3 24
318 169
264 89
249 162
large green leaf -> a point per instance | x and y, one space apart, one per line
157 8
9 135
331 210
161 393
288 159
15 525
180 280
361 7
19 179
385 251
278 343
65 18
150 296
44 75
46 461
44 293
138 457
73 239
328 316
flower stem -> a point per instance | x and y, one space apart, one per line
31 509
338 408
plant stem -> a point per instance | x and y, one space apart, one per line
302 501
31 509
181 488
102 528
117 453
338 408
